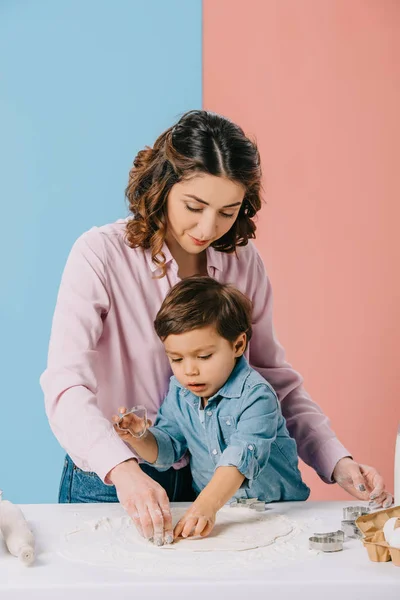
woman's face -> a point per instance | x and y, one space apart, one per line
201 210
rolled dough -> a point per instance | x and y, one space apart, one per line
241 539
235 529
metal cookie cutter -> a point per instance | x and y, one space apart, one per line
327 542
350 514
141 412
253 503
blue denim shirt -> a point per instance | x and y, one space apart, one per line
243 427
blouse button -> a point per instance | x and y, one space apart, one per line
250 447
215 451
209 413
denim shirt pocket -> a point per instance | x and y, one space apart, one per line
227 427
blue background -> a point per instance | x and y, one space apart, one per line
83 87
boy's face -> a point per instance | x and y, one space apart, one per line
202 360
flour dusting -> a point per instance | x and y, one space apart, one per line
242 538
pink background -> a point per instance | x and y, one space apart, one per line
318 85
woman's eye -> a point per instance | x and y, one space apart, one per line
176 360
205 357
192 209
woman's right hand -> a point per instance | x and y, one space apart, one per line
145 501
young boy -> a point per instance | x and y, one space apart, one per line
218 408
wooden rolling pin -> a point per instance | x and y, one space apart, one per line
16 532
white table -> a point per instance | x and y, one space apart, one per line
338 576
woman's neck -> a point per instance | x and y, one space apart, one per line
188 264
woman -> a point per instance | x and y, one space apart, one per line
193 197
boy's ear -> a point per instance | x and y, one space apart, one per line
240 345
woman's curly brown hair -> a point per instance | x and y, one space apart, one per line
200 142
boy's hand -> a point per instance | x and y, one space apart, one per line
198 520
129 425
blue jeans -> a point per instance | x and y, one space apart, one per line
82 486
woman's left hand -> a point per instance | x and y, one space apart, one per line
362 482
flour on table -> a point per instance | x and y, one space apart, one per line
241 538
235 529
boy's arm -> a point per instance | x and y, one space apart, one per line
250 445
145 447
223 485
247 453
200 518
164 443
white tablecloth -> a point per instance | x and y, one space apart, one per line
346 575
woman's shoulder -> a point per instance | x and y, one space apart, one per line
101 239
248 252
106 247
108 231
244 261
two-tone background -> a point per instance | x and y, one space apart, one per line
85 85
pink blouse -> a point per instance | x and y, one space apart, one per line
104 352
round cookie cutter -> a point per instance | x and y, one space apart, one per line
327 542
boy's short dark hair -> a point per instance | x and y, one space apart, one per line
198 302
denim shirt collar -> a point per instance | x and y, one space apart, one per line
232 388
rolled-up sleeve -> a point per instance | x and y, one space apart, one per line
170 440
250 445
